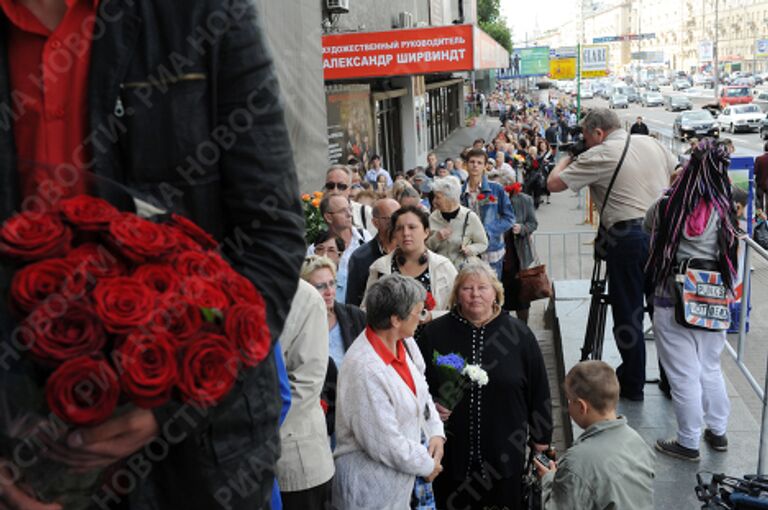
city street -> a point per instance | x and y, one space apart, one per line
660 120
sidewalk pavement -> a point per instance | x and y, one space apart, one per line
653 418
452 147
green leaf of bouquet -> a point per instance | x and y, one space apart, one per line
212 315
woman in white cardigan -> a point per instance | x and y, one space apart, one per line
383 405
410 230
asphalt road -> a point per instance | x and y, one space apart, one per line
660 120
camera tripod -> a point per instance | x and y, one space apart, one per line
594 336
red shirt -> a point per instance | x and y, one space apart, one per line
49 77
399 362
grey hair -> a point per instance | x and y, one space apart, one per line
601 118
408 192
343 168
449 186
393 294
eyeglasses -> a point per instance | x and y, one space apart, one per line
336 185
325 286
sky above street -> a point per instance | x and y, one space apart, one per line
524 17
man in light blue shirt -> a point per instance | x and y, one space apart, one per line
376 170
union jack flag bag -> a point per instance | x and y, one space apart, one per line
702 297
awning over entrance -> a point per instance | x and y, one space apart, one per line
410 51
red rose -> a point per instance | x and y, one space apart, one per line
148 370
96 261
140 240
508 188
176 317
429 302
88 213
207 265
35 283
202 294
182 241
492 199
83 391
238 288
54 336
481 196
159 277
246 327
123 304
208 370
200 236
535 164
35 236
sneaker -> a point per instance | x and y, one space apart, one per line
719 443
674 449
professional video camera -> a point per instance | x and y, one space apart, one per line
577 145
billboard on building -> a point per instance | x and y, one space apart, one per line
706 51
562 68
594 61
761 48
398 52
350 124
525 62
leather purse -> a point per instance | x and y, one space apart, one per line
534 282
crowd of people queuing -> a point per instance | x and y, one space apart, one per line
412 279
433 270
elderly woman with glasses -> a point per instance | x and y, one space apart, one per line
455 232
491 424
384 405
345 323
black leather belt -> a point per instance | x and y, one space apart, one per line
627 223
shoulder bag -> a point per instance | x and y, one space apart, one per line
602 232
534 282
702 298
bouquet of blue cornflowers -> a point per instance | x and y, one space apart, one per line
455 376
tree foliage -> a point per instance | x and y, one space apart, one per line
493 23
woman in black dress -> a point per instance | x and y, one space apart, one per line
489 428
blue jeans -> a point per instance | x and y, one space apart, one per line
627 253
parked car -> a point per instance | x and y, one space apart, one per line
662 81
680 84
586 93
744 81
697 123
764 128
678 104
741 117
761 99
618 101
704 81
652 99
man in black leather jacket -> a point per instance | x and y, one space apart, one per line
183 108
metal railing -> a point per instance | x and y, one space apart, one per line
568 255
738 353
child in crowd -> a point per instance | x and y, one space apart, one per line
609 465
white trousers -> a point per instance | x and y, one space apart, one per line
691 358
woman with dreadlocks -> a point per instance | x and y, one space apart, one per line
694 220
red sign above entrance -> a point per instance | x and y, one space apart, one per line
398 52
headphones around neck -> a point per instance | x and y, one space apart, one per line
400 258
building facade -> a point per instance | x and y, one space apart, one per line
396 75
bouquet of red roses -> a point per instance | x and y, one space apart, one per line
116 310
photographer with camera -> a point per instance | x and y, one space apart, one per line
639 168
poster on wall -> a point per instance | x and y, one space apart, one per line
350 125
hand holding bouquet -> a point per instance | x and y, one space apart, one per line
455 377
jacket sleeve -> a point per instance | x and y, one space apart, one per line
356 277
285 386
375 427
477 236
505 218
259 187
305 348
565 489
528 223
433 426
539 403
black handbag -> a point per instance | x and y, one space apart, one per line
531 485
